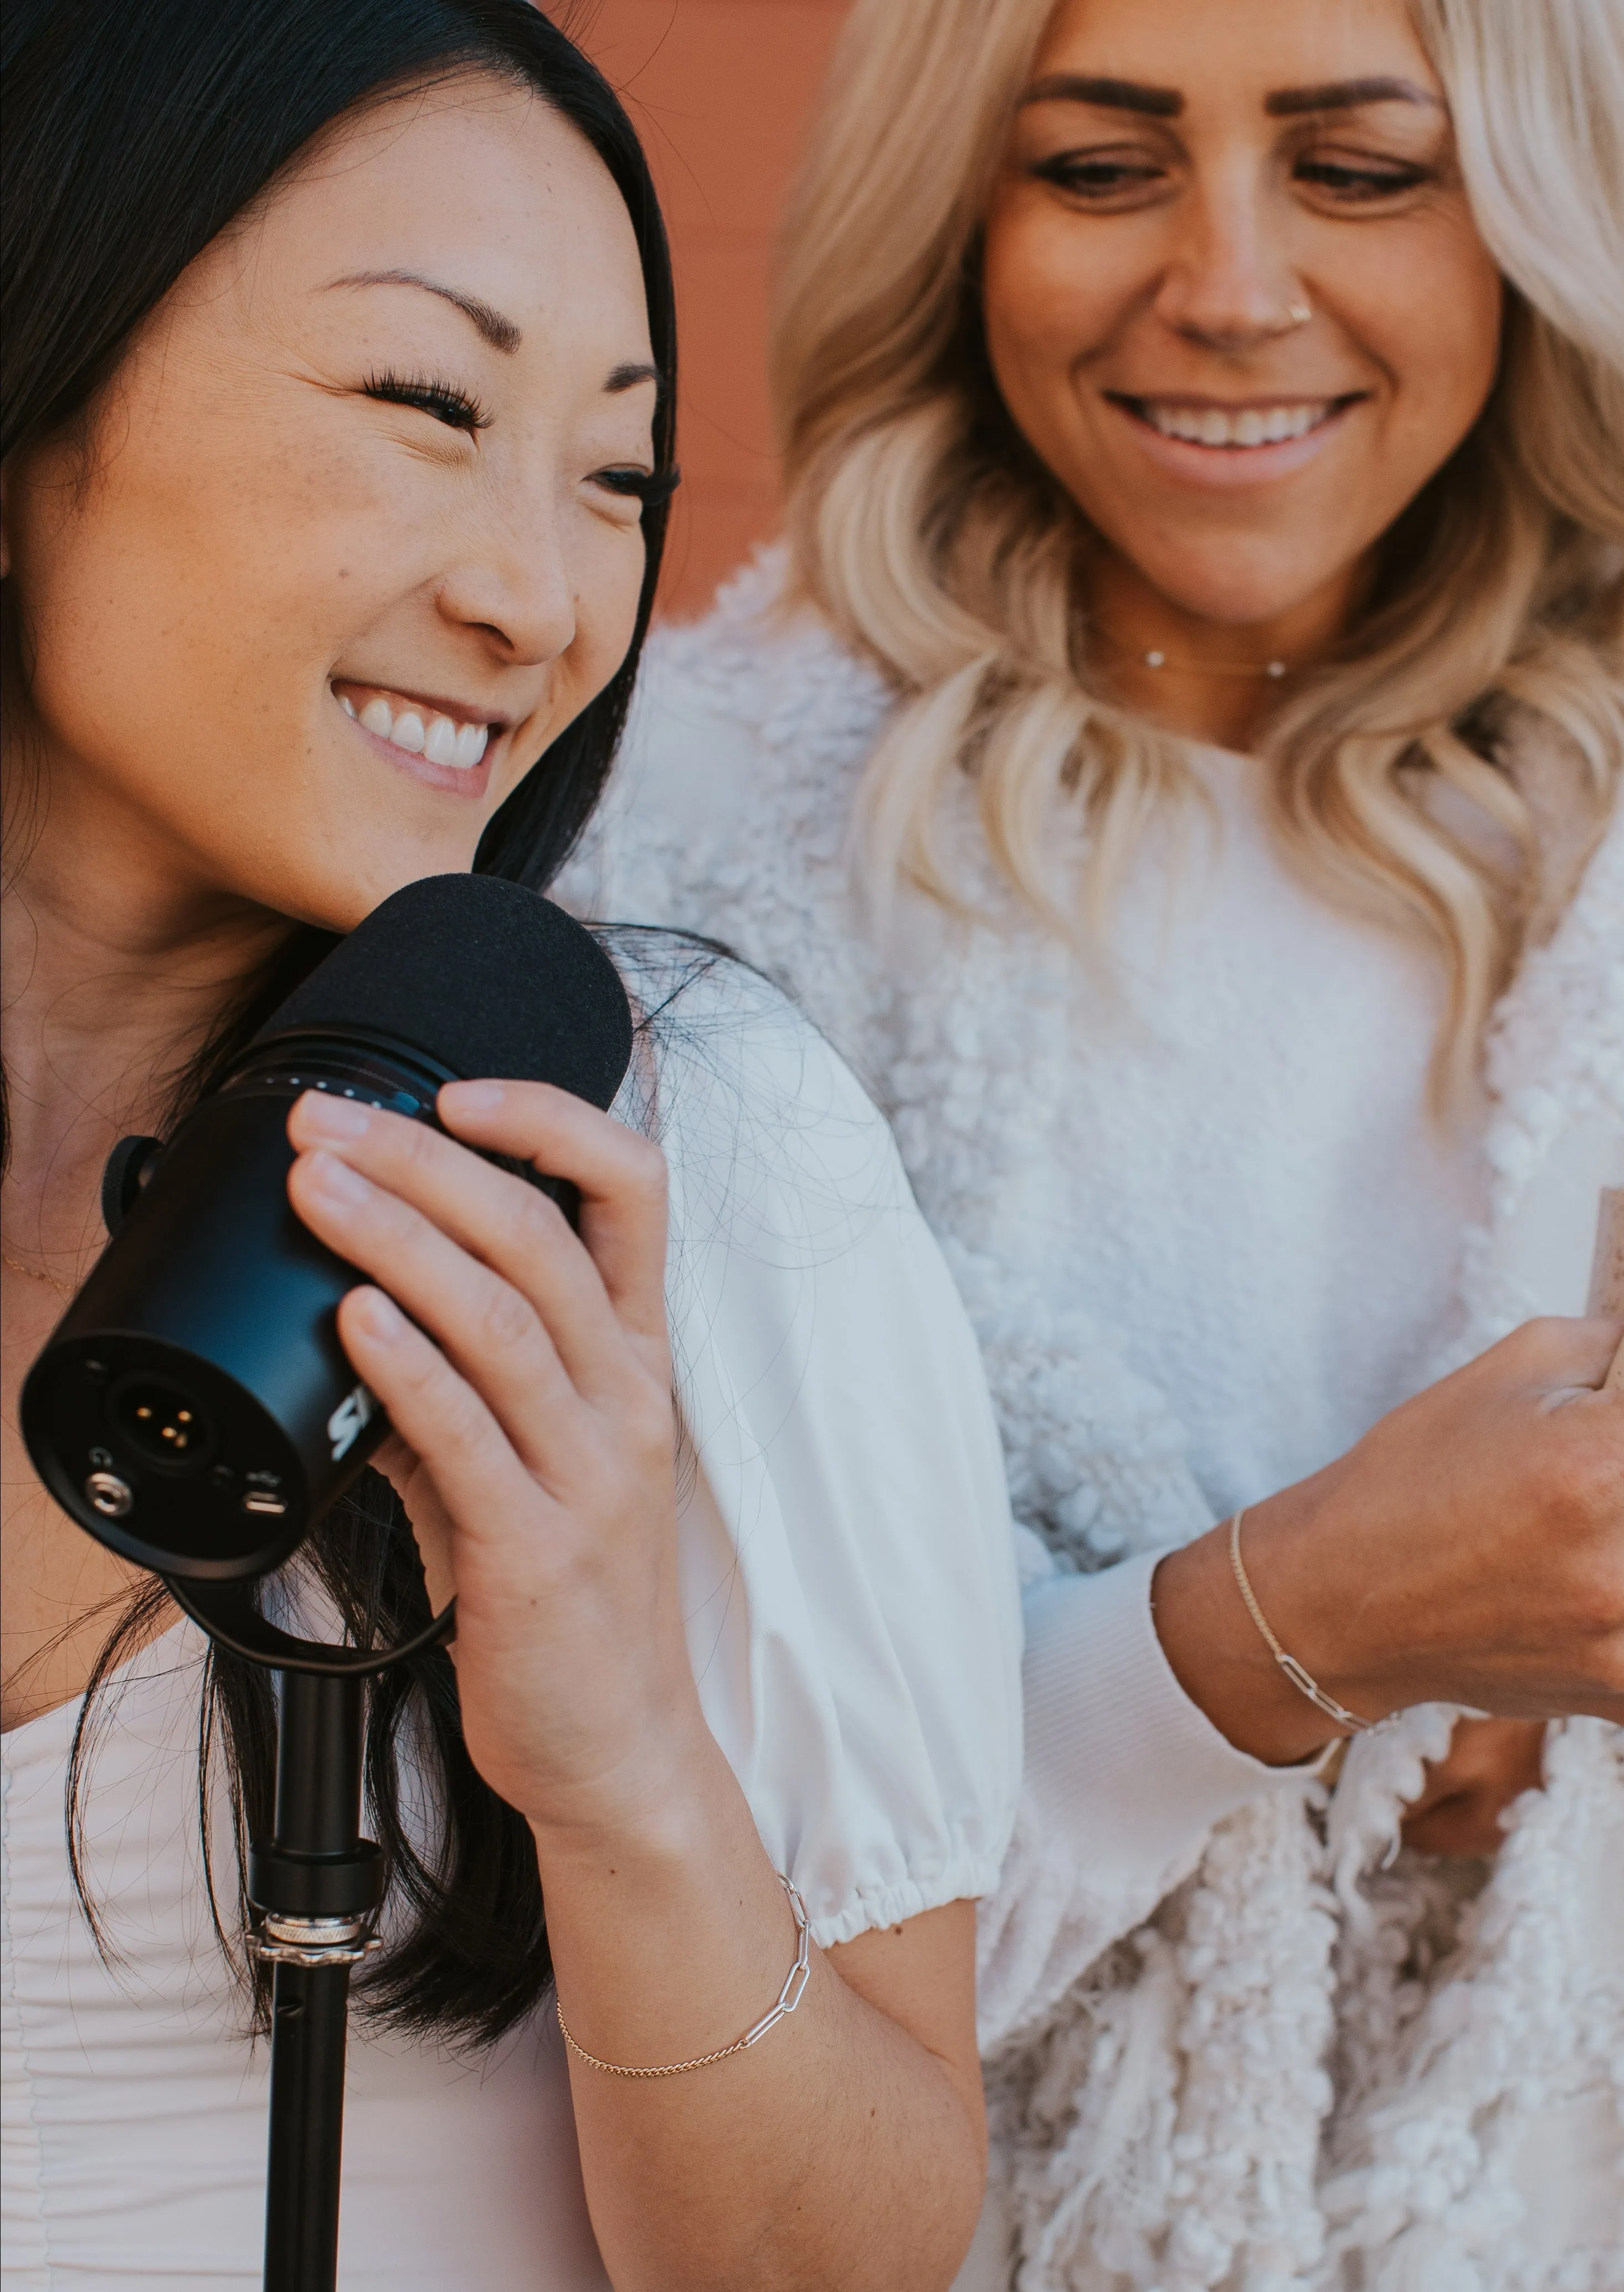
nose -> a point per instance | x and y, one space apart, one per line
1230 284
513 585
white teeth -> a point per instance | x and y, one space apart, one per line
1252 425
444 741
439 742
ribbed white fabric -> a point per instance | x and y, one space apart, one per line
1208 1230
1126 1708
854 1623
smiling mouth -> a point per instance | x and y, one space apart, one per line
415 727
1234 429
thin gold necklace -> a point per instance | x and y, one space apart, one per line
37 1273
1154 657
1158 659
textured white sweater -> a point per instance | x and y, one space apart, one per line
1208 1231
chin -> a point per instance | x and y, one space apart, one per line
1234 588
344 890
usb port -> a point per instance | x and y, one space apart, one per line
258 1500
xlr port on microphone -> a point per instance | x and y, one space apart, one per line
163 1422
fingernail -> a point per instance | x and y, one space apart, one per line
474 1097
335 1118
337 1180
380 1316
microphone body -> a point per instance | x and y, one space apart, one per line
194 1409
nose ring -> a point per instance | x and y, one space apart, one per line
1297 314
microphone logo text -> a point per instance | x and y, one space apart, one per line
352 1413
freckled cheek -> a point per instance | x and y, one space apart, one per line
330 543
271 548
1046 312
181 629
606 596
1439 339
140 631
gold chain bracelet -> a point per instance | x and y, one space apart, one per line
1305 1684
788 1997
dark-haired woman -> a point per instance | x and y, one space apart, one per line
337 439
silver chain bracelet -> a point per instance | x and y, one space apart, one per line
1302 1681
788 1997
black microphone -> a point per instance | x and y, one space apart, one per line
194 1409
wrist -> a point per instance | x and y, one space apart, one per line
655 1810
1222 1661
1315 1582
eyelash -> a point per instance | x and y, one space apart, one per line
458 411
1070 173
645 486
1102 179
443 399
1354 184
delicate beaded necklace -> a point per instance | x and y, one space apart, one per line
36 1273
1155 659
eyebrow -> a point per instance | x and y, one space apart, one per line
497 330
1111 94
491 326
1167 103
1346 96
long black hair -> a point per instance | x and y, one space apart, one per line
135 134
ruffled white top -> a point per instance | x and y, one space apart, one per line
853 1622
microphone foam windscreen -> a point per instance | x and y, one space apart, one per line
482 975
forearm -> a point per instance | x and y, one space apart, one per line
837 2150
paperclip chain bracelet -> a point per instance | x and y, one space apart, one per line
1305 1684
788 1997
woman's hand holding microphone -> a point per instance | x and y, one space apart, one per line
527 1374
1469 1549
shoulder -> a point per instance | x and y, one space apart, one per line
730 811
855 1619
1556 1045
748 732
763 663
762 1121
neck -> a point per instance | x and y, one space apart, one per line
1215 682
118 962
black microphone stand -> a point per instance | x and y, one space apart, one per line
314 1890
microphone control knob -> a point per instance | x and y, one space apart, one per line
111 1497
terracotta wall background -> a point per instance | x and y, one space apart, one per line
721 91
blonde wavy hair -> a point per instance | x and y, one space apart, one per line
933 543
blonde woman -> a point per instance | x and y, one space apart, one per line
1177 756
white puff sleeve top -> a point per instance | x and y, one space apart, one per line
854 1623
848 1567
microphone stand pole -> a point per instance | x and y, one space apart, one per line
315 1889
